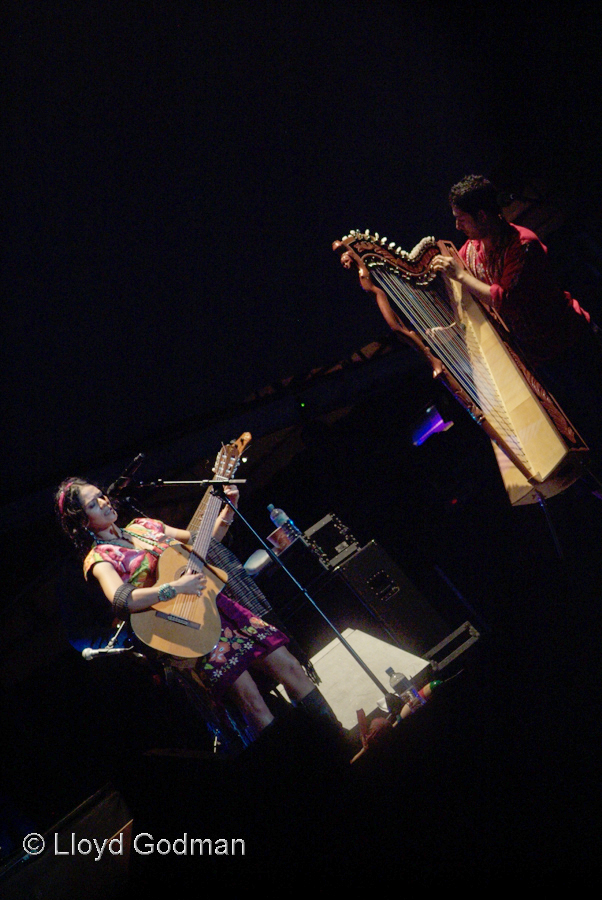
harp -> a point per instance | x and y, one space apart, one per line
470 351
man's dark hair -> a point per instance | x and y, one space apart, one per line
474 193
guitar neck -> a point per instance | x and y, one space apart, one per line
204 519
203 522
195 523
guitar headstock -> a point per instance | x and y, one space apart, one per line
228 458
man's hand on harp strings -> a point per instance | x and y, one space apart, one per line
448 265
453 267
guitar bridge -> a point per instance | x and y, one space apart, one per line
178 619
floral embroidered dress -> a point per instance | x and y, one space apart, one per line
244 638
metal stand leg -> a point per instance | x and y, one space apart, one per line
553 533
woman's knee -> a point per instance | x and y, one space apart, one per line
245 692
287 670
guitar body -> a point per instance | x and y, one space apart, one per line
186 626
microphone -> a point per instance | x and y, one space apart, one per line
89 653
125 479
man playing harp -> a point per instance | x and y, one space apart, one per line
507 270
512 347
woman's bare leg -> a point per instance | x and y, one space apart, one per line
289 672
245 693
284 668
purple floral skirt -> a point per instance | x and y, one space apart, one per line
245 638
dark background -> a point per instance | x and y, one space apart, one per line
174 178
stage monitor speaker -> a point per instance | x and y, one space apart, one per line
65 874
331 541
389 595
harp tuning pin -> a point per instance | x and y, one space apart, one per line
383 241
376 236
391 245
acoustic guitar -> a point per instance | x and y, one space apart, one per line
189 626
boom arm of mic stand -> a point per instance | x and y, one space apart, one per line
305 593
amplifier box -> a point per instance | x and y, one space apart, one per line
388 594
367 592
305 567
331 541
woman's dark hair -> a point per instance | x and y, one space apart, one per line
71 515
475 193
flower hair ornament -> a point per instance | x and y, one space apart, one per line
63 494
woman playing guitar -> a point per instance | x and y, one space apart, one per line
125 562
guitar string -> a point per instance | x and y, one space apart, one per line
212 505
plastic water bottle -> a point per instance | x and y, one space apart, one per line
278 516
281 520
404 688
398 682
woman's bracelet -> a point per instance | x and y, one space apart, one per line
166 592
121 600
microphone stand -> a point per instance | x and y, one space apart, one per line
109 649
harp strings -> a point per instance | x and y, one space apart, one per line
429 313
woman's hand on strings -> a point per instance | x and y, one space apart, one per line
191 583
